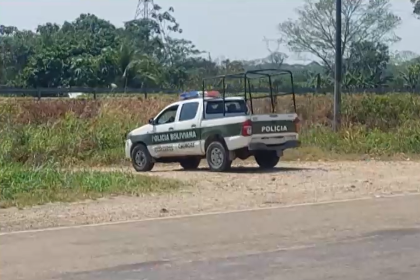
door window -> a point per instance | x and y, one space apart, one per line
188 111
167 116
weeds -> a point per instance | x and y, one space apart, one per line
27 186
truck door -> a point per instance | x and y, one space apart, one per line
187 129
163 128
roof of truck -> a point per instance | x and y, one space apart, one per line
208 95
226 98
233 98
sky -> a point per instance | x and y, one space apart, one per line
233 29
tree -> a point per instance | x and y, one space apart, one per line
275 58
127 63
91 52
314 30
366 65
411 76
402 57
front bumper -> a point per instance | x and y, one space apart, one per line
128 145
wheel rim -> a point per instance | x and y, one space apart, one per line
216 157
140 159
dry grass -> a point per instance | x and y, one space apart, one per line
93 131
27 111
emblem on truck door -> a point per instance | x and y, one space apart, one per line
274 128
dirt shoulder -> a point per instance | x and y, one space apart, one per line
244 187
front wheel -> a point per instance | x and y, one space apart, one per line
267 159
218 157
141 159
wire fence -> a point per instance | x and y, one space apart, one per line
40 93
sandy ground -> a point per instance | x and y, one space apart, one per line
245 187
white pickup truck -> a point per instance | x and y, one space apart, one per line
214 128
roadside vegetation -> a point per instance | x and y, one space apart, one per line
22 186
41 140
92 132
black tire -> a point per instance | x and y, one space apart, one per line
141 159
267 159
217 156
190 163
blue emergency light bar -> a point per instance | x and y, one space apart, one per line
197 94
190 95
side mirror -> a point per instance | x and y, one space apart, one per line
152 121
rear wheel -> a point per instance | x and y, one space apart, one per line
218 157
267 159
141 159
190 163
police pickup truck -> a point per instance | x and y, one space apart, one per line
211 127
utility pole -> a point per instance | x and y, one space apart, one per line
338 68
3 66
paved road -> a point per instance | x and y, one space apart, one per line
370 239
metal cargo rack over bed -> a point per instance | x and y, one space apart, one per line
246 78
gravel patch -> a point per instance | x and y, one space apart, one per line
245 187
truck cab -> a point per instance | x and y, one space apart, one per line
205 125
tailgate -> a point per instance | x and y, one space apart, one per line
273 125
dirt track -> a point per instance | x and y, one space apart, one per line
244 187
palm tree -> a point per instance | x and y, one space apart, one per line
127 62
135 66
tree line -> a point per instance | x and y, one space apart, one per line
144 53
